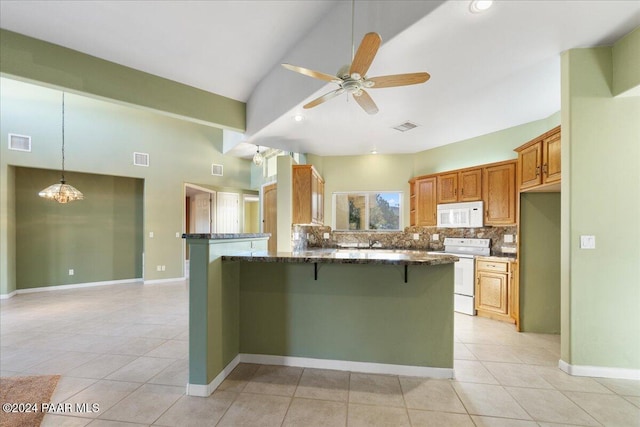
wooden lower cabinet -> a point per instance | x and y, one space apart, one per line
495 289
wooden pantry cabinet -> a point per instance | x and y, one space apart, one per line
308 195
423 201
462 186
496 289
539 164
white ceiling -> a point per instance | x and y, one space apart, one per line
488 71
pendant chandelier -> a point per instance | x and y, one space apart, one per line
257 158
61 192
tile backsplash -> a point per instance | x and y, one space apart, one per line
321 236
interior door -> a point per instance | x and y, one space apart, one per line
202 213
228 213
269 215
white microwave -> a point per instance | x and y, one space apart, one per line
460 215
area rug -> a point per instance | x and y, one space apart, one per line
21 399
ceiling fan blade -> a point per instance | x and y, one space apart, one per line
365 101
365 54
398 80
323 98
310 73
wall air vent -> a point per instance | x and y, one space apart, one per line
19 142
141 159
403 127
216 170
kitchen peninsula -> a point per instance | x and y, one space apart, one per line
359 310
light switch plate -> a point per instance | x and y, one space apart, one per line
325 235
587 242
508 238
435 237
416 236
151 234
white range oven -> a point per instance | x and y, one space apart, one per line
464 277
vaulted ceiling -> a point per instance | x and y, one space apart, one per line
489 71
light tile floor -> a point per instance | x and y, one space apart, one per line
125 347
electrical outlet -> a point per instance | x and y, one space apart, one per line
158 268
296 236
71 272
508 238
151 234
416 236
178 234
435 237
163 267
587 242
325 235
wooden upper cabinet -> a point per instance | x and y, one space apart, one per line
462 186
423 201
447 188
470 185
308 195
499 194
551 166
539 161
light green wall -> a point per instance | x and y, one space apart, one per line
489 148
252 217
101 138
600 186
362 313
99 238
626 65
392 172
539 260
39 61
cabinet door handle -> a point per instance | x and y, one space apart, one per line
462 191
537 170
545 170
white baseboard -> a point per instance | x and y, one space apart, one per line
156 281
73 286
201 390
599 371
345 365
7 296
205 390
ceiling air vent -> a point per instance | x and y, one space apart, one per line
19 142
141 159
216 170
403 127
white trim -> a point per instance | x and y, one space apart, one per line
206 390
599 371
7 296
73 286
346 365
156 281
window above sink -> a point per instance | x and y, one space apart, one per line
367 211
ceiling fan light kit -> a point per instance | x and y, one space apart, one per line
353 79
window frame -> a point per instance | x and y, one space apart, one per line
366 195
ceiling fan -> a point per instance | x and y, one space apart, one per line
353 78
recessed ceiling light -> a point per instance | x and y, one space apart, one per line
298 117
374 151
478 6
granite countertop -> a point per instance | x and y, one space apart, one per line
499 256
225 236
346 256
